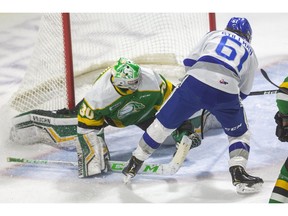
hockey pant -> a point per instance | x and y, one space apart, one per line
191 96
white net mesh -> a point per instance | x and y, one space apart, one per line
44 84
159 40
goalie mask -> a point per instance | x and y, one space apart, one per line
126 74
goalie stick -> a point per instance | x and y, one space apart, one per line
117 166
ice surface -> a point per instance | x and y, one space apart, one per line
204 177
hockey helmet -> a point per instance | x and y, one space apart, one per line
241 27
126 74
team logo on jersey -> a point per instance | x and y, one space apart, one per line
222 81
130 108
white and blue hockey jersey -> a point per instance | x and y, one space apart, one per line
228 61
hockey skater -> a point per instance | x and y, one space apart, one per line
125 94
280 190
220 73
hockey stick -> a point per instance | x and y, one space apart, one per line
268 79
117 166
265 92
35 161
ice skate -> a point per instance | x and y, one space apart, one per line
244 182
131 169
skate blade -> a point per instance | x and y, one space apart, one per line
243 188
127 179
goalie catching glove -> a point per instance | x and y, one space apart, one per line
187 129
282 126
93 154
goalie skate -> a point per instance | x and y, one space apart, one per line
244 182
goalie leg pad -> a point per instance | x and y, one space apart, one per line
41 126
105 151
92 155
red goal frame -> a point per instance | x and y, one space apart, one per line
69 59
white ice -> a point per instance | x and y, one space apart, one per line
204 177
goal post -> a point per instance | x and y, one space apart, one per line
212 21
72 49
68 60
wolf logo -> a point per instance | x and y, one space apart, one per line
130 108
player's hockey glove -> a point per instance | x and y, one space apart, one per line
281 131
133 167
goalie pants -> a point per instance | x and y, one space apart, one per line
193 95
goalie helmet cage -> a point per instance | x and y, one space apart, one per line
89 43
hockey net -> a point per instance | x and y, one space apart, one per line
157 40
